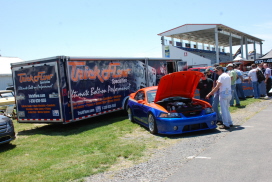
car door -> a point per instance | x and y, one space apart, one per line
137 106
144 108
140 109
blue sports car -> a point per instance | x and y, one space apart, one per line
170 107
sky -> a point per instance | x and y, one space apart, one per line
31 29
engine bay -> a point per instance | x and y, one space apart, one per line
180 105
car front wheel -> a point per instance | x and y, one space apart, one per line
152 126
130 115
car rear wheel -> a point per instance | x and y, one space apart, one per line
152 126
130 115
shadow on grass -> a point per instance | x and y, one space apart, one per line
76 127
6 147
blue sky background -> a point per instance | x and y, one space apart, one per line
33 29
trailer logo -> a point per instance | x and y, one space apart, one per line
91 74
55 112
34 79
20 97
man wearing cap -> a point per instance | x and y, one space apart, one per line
224 87
205 85
233 76
209 73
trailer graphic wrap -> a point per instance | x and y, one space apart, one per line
37 93
101 86
160 69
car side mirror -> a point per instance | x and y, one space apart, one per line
141 101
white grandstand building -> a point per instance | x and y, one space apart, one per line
205 44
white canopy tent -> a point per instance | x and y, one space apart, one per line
239 58
267 58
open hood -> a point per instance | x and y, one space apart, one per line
181 84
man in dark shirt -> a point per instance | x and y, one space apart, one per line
209 73
205 86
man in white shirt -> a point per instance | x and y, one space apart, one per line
224 87
253 78
267 74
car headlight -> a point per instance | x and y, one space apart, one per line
169 115
208 110
9 125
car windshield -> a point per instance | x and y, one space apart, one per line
151 94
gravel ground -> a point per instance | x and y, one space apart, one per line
164 162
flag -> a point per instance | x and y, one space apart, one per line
237 52
251 53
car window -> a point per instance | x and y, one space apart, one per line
140 96
151 95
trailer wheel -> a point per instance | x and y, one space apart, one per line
130 115
152 125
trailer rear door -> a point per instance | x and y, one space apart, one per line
37 93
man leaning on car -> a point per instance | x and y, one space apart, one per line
224 86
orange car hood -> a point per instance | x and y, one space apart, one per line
181 84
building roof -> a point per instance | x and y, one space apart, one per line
267 55
5 64
205 33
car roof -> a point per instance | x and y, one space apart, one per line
199 68
148 88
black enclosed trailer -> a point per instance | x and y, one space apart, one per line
65 89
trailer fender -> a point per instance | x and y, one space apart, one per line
124 103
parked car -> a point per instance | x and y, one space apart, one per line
170 107
200 69
6 93
7 133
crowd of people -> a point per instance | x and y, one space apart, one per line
220 86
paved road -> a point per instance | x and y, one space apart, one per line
245 154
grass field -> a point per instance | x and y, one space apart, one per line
244 103
73 151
